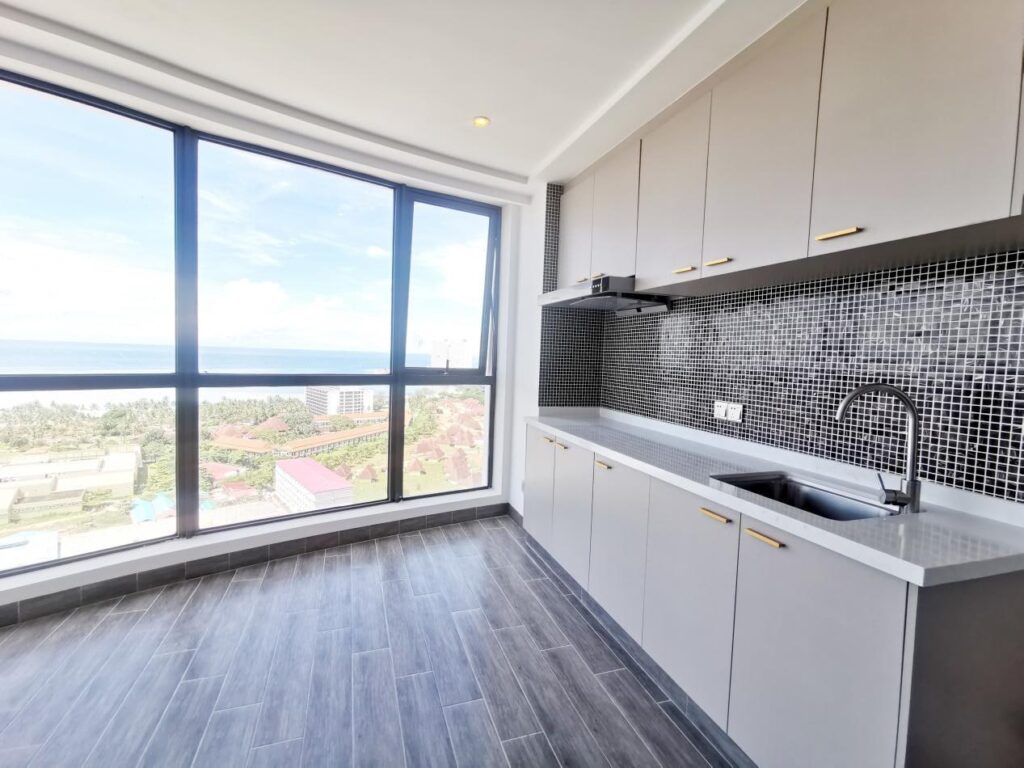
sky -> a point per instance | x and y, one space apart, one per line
289 256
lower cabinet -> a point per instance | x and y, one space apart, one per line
817 655
571 503
538 490
618 543
690 594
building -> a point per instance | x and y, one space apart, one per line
308 446
335 400
303 484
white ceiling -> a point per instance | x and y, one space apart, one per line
404 77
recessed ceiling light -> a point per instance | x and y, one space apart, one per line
481 121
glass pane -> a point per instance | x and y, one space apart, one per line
446 287
294 267
86 239
84 471
446 439
271 452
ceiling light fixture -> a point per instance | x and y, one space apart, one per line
481 121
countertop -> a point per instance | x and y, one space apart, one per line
936 546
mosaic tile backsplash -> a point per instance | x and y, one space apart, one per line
949 334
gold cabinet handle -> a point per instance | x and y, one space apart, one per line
563 447
683 270
602 465
717 262
549 440
715 516
838 233
596 275
764 539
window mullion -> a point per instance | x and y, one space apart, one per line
186 310
401 258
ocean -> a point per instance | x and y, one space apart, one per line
49 357
46 357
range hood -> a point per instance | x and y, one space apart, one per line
606 293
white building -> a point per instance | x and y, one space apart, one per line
334 400
303 485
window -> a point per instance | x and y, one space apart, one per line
447 439
447 287
84 471
197 333
294 267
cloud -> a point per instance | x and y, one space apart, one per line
376 252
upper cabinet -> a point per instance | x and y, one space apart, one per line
670 218
917 127
576 219
761 155
616 181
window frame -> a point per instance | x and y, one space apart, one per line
186 379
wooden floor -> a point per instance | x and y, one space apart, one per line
449 646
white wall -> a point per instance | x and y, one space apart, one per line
525 315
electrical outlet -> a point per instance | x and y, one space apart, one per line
721 410
734 412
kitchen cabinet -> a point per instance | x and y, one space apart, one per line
571 502
539 486
690 594
618 543
817 655
576 220
917 125
616 183
761 155
670 213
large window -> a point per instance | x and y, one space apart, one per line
197 333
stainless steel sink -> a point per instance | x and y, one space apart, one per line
801 494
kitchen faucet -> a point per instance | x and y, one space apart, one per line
911 497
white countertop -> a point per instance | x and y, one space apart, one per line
936 546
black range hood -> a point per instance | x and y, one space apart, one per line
607 293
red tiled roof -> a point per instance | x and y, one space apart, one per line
330 438
218 470
312 476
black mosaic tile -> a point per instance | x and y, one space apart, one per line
949 334
552 223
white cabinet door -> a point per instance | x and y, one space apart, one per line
618 548
691 593
917 126
616 182
817 655
538 491
670 215
575 231
570 528
761 160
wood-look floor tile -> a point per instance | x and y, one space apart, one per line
227 739
328 737
505 700
474 740
408 651
452 673
194 621
177 736
392 559
336 595
572 743
616 737
593 649
542 627
531 751
130 729
666 741
377 731
424 577
284 754
369 625
423 727
283 716
217 649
